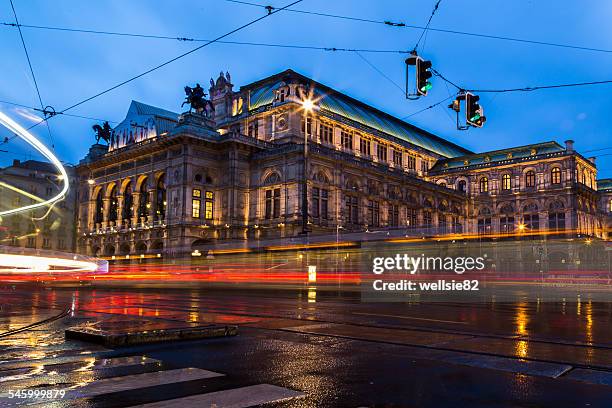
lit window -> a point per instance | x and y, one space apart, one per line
506 182
196 203
208 205
555 176
484 185
195 208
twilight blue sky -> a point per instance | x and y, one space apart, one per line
72 66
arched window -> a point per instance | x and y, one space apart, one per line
99 211
506 182
462 186
112 210
484 185
555 176
321 177
531 218
160 201
273 178
530 179
506 219
556 216
143 201
484 221
128 202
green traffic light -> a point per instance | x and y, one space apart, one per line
426 87
475 117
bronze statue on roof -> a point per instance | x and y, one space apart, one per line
196 98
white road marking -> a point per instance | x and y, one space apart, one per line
243 397
133 382
409 317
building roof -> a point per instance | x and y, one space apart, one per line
332 101
497 156
34 165
140 108
604 184
142 122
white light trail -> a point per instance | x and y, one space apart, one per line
14 127
10 263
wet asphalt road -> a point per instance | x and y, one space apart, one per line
326 345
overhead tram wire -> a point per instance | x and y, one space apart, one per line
58 113
433 12
427 108
243 26
536 88
440 30
25 49
380 72
188 39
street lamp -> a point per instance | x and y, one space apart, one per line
307 105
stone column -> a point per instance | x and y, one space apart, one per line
135 203
105 212
152 206
119 211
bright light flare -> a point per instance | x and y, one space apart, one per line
14 127
308 105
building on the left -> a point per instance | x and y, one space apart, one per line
28 182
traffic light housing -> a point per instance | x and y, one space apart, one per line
422 76
474 113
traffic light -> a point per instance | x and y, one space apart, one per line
422 76
474 113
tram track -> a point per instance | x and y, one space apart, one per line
65 312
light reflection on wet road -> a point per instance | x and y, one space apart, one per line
319 341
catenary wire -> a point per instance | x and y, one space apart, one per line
429 107
58 113
243 26
440 30
535 88
375 68
188 39
25 49
433 12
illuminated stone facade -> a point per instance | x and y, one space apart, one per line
172 183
